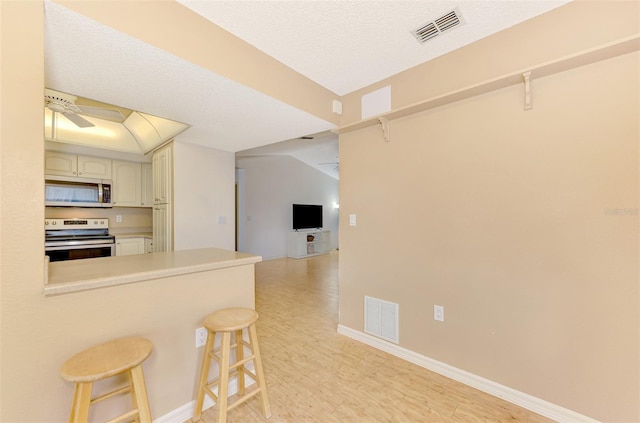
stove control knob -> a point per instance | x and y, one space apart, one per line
46 223
53 223
102 222
95 222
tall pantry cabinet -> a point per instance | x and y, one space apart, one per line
162 169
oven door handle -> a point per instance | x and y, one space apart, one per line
75 245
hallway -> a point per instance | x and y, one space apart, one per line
316 375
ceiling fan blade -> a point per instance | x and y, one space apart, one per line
78 120
109 114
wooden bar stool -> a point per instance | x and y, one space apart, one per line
228 321
104 361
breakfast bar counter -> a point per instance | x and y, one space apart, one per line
80 275
162 297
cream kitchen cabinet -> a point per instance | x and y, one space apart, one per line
127 184
129 246
162 168
132 184
163 175
162 228
74 165
147 185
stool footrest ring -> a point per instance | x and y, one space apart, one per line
119 391
124 417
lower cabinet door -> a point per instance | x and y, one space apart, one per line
129 246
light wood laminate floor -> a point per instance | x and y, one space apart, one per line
316 375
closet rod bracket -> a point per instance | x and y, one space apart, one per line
384 122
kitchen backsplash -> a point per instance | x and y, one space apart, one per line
134 219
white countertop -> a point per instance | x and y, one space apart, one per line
80 275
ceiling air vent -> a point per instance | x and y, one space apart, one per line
432 29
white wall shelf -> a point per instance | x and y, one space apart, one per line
523 76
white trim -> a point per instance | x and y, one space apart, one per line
513 396
185 412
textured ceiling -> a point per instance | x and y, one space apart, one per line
320 152
87 59
342 45
346 45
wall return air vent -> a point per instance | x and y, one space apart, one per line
444 23
381 319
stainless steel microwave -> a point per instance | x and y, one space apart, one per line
63 191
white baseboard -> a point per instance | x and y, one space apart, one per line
537 405
185 412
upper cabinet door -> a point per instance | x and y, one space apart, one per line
72 165
126 184
60 164
147 185
94 167
162 175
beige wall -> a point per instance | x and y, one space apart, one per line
203 192
134 219
38 333
507 219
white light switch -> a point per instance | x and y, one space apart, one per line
118 218
352 220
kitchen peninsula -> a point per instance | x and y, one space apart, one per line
160 296
81 275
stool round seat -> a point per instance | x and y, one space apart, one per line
112 358
230 319
106 360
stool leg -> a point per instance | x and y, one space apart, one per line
81 401
223 379
253 339
134 398
139 393
240 357
204 376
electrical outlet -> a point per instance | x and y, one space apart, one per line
118 218
438 313
201 337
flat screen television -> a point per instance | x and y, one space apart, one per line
307 216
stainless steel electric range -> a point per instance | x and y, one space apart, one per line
72 239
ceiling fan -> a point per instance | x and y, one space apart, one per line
64 104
